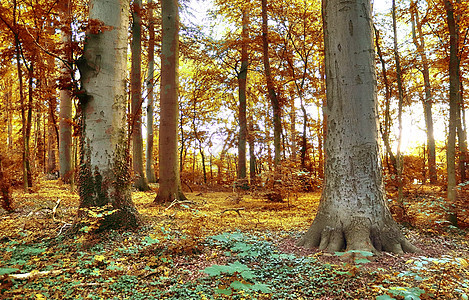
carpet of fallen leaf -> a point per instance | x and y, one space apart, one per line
218 245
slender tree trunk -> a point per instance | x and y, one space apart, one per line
105 182
292 129
304 144
387 97
29 121
150 171
65 114
9 113
276 110
170 181
242 76
252 155
140 181
51 140
23 112
428 99
352 212
454 100
400 160
462 143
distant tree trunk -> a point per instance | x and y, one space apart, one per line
454 101
65 106
170 181
140 181
23 114
252 155
304 144
29 123
387 98
352 212
5 196
400 160
9 113
51 140
276 110
18 51
292 129
105 165
150 171
242 76
462 143
428 100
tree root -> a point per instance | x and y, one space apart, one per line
358 234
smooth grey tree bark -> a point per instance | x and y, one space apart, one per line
104 180
352 213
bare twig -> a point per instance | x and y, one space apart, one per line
176 202
54 210
234 209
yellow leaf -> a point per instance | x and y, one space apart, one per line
99 257
40 297
463 262
409 261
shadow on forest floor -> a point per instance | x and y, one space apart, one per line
219 246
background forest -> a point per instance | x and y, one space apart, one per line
41 46
251 131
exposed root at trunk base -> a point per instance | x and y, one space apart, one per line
357 234
125 218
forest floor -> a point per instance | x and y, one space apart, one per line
218 245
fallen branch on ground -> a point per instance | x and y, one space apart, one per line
234 209
176 202
34 274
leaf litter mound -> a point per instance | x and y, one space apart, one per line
217 245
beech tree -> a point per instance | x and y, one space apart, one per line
170 181
419 42
65 115
150 83
454 105
274 99
140 181
352 212
104 173
400 88
242 77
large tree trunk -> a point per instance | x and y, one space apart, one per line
150 170
419 42
105 171
352 213
140 181
65 114
242 75
170 182
454 101
277 121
